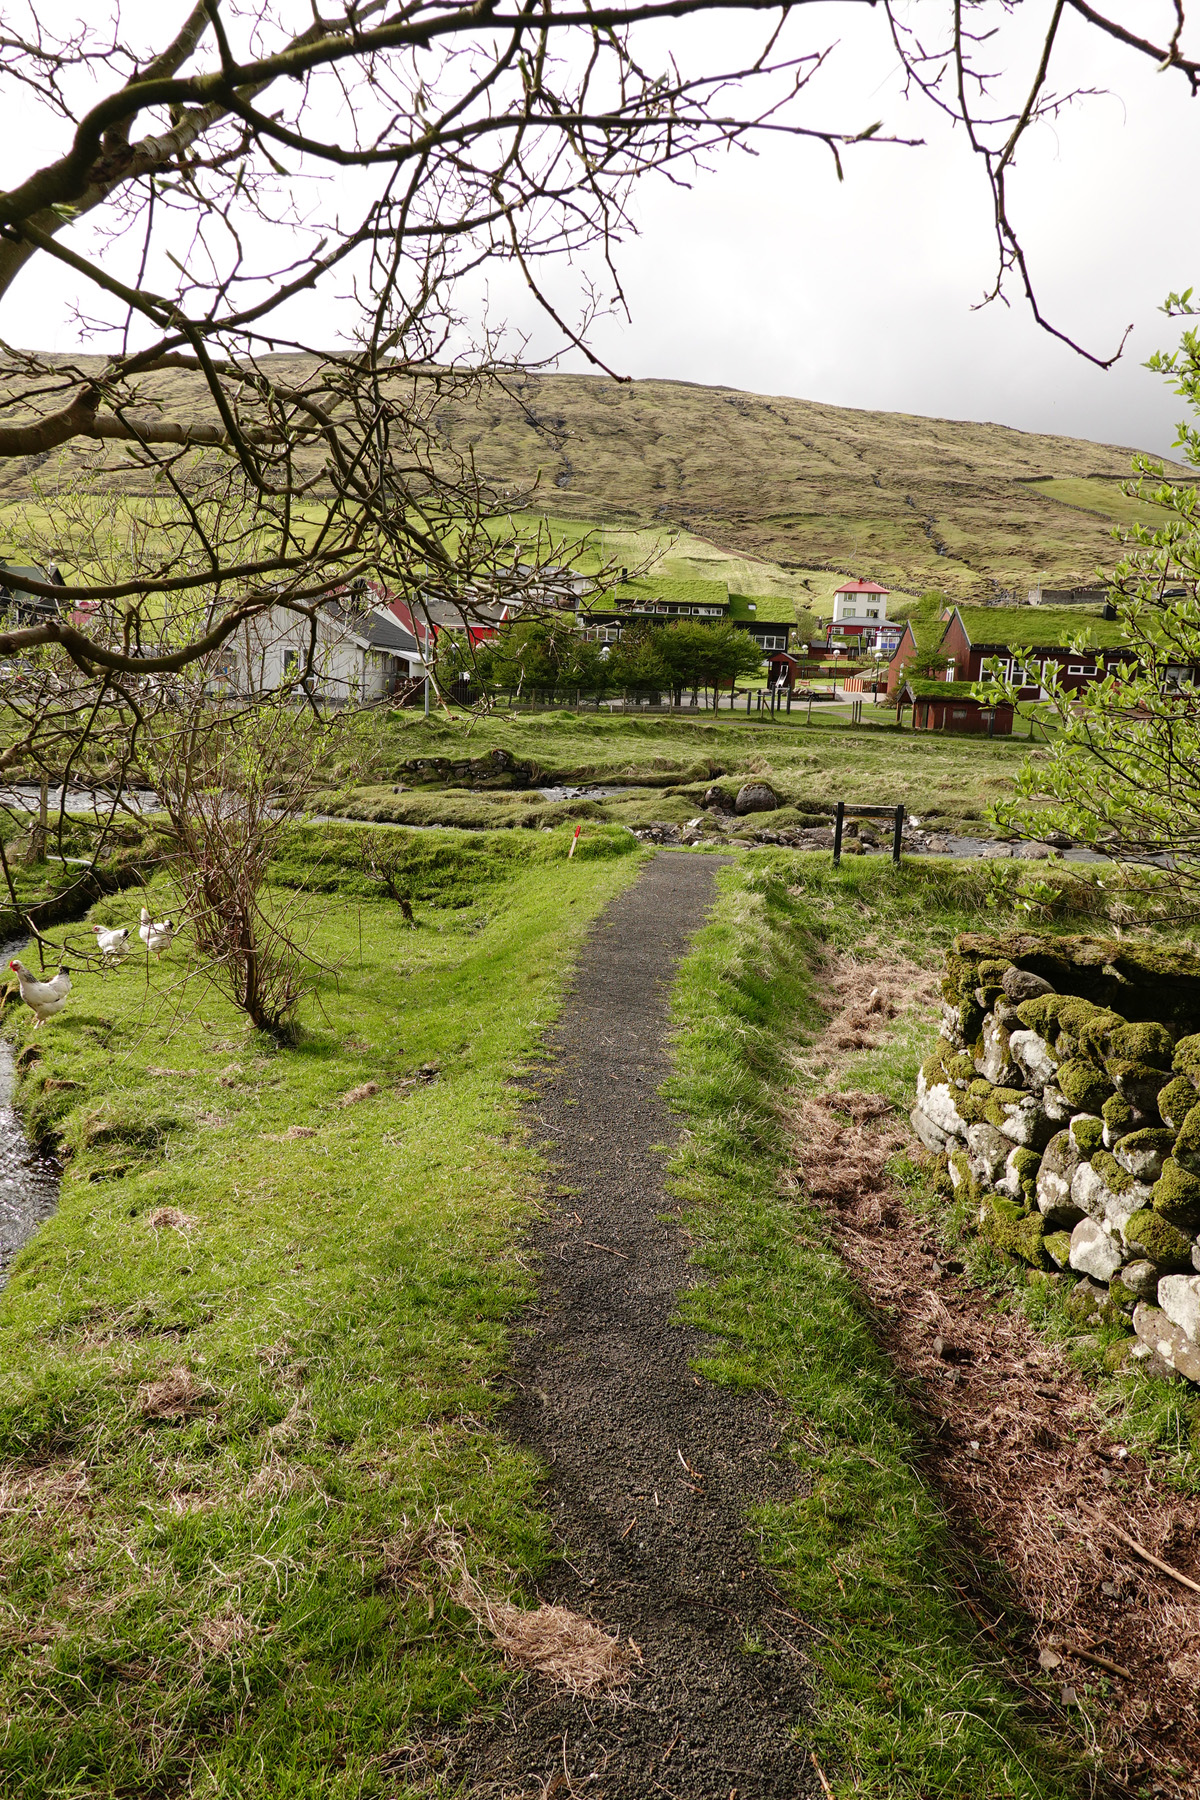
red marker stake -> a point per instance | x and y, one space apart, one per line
574 841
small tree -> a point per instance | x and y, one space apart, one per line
1121 770
231 780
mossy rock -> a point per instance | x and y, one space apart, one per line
1085 1086
1116 1356
1141 1083
959 1169
934 1067
1148 1234
1025 1164
1090 1026
1014 1229
1087 1134
1042 1014
1186 1060
1176 1195
970 1019
973 1104
1118 1117
1000 1102
1057 1245
1084 1302
1145 1042
1137 981
1176 1101
1187 1145
960 1069
1111 1172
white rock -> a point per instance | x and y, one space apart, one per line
1173 1345
937 1103
1093 1252
1141 1278
1033 1056
989 1151
1179 1297
1026 1124
1058 1107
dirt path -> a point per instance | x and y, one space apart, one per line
651 1470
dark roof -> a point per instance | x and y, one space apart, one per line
383 631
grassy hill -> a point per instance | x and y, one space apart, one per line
770 494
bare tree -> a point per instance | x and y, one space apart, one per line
390 151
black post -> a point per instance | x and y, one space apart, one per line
789 700
747 702
837 832
897 835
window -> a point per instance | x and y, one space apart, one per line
872 612
767 640
291 662
1081 669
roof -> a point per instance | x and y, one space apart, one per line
644 590
922 688
382 631
1038 627
762 609
861 587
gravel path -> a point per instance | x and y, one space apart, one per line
651 1470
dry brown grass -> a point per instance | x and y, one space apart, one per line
1013 1442
169 1218
359 1093
176 1395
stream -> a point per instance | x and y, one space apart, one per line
28 1178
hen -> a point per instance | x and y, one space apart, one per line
43 998
111 944
156 934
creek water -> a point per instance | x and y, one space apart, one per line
28 1178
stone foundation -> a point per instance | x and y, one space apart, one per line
1065 1097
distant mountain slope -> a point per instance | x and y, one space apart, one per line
912 501
978 510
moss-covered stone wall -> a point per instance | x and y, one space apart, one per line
1065 1096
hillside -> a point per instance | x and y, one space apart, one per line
806 491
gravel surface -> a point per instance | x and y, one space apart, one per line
651 1470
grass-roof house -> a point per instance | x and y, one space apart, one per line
1022 640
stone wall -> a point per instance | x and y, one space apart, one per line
1065 1095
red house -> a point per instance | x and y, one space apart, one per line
974 635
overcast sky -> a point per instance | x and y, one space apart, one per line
770 275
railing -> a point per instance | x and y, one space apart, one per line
895 813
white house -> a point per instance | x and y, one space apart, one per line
860 617
360 654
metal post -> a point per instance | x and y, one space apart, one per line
808 718
789 701
897 835
747 702
427 693
837 832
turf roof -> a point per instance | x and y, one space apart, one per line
926 688
1039 627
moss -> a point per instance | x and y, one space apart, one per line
1122 1297
1111 1172
1013 1229
973 1104
1148 1234
970 1019
1150 1137
1117 1356
1187 1058
1026 1163
1118 1116
934 1067
1147 1042
1042 1014
1090 1025
960 1069
1176 1195
1187 1148
1087 1134
1057 1245
1000 1102
1085 1087
1084 1301
1176 1100
959 1169
1141 1083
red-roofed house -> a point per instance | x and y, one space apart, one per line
860 618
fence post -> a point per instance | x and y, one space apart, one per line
747 702
837 832
897 835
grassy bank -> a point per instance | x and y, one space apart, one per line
911 1700
251 1368
944 780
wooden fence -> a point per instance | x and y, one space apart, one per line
895 813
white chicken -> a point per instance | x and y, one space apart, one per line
111 943
43 998
156 934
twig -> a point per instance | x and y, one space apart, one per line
1093 1656
608 1247
825 1787
1149 1556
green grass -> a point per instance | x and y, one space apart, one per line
910 1699
237 1600
942 779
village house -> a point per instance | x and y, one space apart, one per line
769 620
1022 642
362 653
19 608
860 623
951 706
